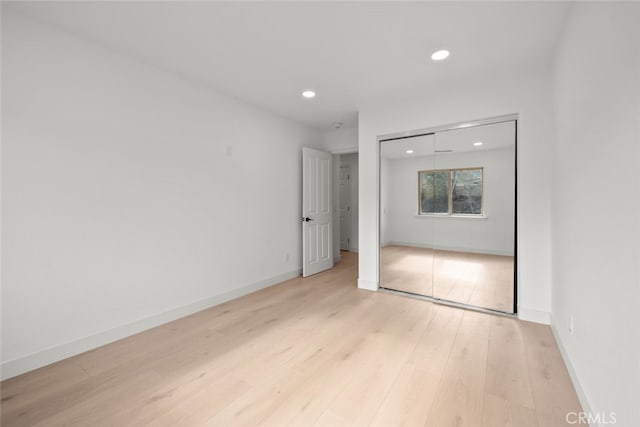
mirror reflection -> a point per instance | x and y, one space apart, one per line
448 215
406 259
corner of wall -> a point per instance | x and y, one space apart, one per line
368 285
534 315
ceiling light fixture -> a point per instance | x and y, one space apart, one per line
477 144
309 94
439 55
409 151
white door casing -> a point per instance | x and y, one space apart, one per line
317 221
345 208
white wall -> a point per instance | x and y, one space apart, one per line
130 196
492 234
341 141
595 206
529 95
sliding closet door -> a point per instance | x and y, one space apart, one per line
474 234
408 198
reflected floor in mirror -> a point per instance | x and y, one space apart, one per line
476 279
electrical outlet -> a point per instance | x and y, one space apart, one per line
571 324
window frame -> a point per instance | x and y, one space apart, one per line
450 194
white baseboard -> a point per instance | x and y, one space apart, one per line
50 355
353 249
369 285
534 315
582 397
449 248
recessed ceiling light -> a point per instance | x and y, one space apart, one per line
309 94
439 55
477 144
409 151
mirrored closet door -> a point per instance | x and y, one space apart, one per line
406 255
447 214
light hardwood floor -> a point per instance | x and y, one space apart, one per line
482 280
309 352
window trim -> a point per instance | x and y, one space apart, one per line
450 213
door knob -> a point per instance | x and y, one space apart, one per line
307 219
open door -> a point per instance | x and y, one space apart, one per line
317 227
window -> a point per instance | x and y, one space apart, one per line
450 191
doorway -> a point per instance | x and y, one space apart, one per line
345 207
348 202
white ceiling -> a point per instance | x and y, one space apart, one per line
266 53
492 136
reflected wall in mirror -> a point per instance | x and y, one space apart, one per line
448 215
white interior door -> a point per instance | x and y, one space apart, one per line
345 208
317 227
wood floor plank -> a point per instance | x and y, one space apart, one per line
460 397
553 392
308 352
507 371
499 412
434 346
408 400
